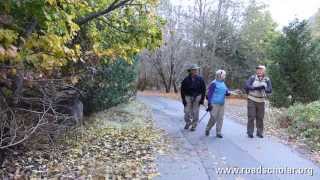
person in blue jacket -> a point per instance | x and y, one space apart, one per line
216 100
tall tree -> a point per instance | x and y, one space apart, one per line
166 60
257 32
295 65
315 25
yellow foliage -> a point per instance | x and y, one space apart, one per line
51 2
7 37
121 35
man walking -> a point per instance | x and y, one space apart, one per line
257 88
193 90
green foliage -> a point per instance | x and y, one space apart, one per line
255 37
295 65
60 39
257 32
305 122
7 37
111 84
51 37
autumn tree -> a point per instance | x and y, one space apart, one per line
167 62
218 34
48 46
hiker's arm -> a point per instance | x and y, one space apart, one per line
269 87
203 91
249 83
211 91
182 92
228 92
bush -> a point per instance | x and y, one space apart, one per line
281 89
305 122
110 84
295 66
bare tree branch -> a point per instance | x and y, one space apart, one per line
113 6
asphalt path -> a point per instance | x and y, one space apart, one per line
198 157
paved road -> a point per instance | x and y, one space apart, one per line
195 156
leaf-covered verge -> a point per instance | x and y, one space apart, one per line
119 143
304 122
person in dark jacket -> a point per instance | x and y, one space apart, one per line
257 88
193 90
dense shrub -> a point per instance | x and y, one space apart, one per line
109 85
305 122
295 66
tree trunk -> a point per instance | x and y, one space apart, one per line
175 88
168 89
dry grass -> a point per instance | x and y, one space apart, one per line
170 95
177 96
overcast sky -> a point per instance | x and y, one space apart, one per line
283 11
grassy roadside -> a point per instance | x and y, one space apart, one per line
119 143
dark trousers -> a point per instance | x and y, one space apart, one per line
255 113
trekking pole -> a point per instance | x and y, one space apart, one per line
269 114
203 117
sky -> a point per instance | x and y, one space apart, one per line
283 11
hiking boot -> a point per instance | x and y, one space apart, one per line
219 136
187 126
207 133
260 135
250 135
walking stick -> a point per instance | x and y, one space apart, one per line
202 117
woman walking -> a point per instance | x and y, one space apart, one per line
216 100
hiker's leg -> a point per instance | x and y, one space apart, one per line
220 115
196 108
251 117
188 110
260 117
211 121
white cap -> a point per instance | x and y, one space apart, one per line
221 74
261 67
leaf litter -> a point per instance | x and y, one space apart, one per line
119 143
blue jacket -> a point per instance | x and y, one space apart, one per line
217 92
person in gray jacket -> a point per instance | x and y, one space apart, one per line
257 88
